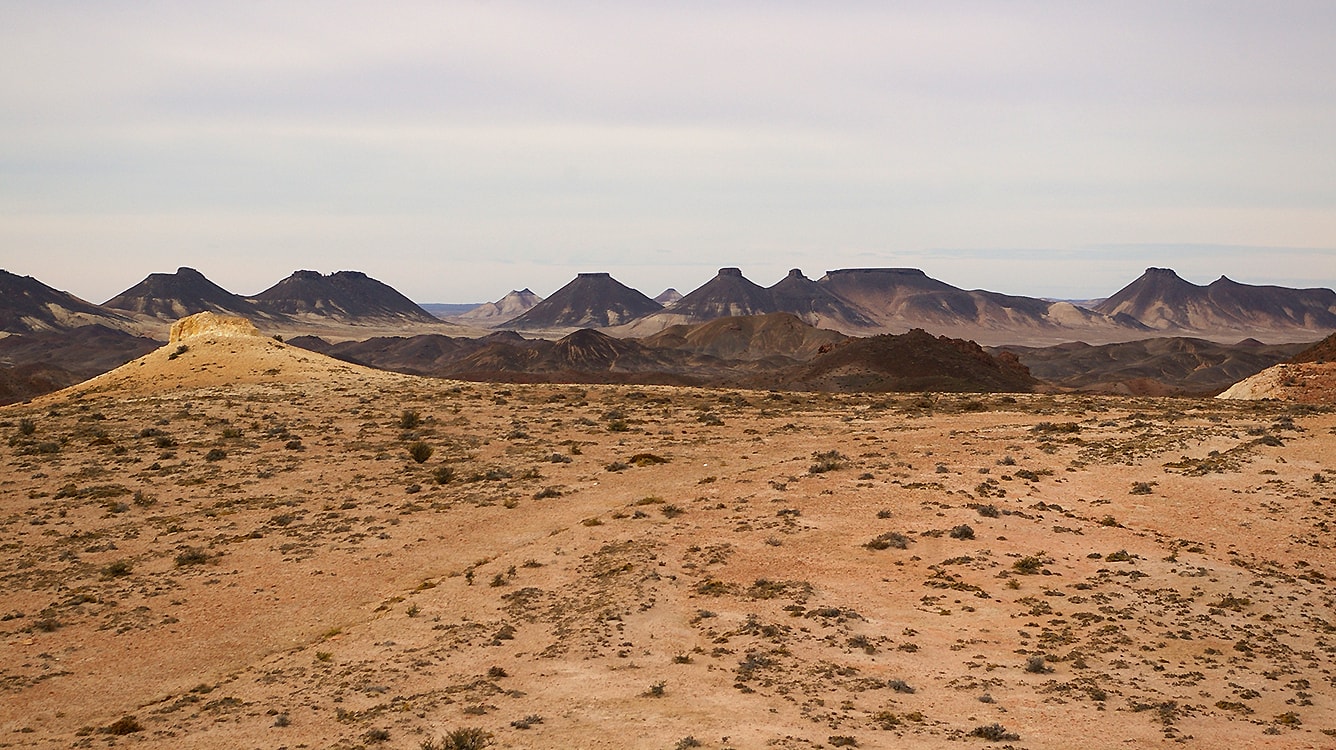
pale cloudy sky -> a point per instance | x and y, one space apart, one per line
457 150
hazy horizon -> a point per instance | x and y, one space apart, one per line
457 150
650 291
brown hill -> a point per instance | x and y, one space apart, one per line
1322 351
425 354
914 361
903 298
27 306
591 300
1164 301
751 337
584 356
170 296
345 296
1159 366
37 363
509 307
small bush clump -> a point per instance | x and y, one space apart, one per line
192 556
420 451
994 733
826 461
124 725
888 540
465 738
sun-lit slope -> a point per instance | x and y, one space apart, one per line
1300 382
327 559
208 350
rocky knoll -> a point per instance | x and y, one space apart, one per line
1158 366
1322 351
914 361
211 324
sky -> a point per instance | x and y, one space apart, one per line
457 150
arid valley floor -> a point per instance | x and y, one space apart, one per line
231 544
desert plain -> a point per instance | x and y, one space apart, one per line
234 543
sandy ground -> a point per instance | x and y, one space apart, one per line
232 546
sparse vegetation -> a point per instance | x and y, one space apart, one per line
891 539
464 738
994 733
420 451
826 461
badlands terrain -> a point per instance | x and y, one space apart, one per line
233 542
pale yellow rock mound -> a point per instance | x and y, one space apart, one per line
1305 382
209 351
212 324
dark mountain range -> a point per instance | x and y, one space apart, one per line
1163 301
170 296
345 296
509 307
730 294
35 363
767 352
900 298
913 361
28 306
753 337
591 300
1152 367
817 305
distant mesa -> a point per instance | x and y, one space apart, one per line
171 296
1164 301
818 305
668 297
591 300
349 297
509 307
728 294
29 306
907 297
